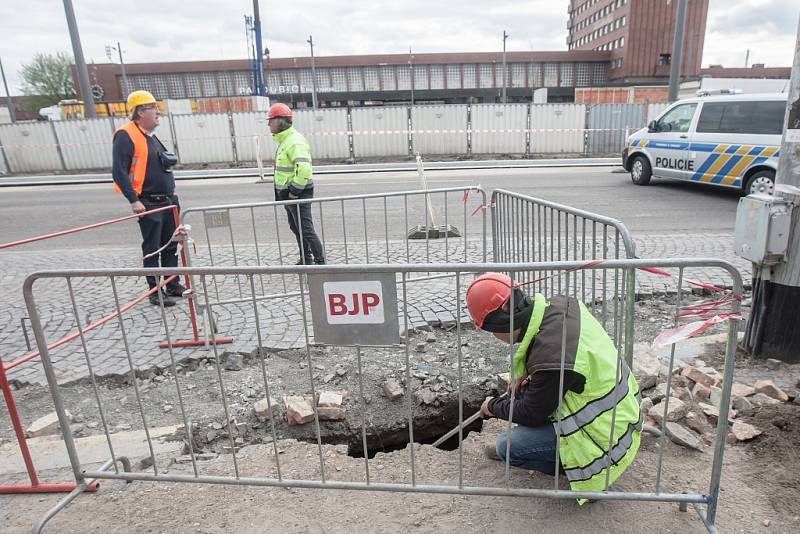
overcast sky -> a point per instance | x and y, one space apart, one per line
173 30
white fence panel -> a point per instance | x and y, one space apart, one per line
654 110
3 168
247 126
557 128
499 128
30 147
326 131
380 131
86 143
439 129
204 138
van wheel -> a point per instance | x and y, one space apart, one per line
641 171
761 182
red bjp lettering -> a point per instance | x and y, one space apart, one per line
338 305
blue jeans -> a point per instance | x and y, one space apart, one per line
532 448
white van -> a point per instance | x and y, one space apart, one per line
731 141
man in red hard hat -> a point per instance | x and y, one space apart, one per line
293 180
562 349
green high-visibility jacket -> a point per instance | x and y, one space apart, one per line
293 169
583 421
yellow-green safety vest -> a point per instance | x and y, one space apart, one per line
292 160
585 421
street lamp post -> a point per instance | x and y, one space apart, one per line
411 73
505 76
313 74
677 51
80 63
8 95
125 88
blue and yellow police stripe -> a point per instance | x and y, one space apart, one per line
726 163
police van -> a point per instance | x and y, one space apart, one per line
731 141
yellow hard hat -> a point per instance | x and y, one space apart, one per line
139 98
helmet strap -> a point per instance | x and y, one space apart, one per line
500 319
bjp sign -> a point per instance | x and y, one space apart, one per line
354 309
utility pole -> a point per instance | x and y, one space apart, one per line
313 74
80 63
780 335
677 50
411 67
505 76
122 64
125 87
262 90
10 101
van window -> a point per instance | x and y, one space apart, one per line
678 119
762 118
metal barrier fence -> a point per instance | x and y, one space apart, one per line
339 134
421 226
706 500
35 485
527 229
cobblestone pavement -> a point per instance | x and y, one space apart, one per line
429 302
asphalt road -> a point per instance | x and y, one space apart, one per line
664 207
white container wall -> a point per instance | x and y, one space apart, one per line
248 126
439 129
610 124
380 131
557 128
499 128
30 147
3 168
86 143
654 110
326 131
204 138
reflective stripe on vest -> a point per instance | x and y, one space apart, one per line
597 407
617 453
138 168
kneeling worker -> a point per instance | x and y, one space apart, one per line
591 390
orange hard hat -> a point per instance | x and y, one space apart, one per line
279 110
486 297
487 293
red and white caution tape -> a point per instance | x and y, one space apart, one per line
685 331
180 235
335 133
711 312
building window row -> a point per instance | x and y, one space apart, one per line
600 32
372 78
616 63
612 5
612 45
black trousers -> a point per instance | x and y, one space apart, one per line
300 224
157 229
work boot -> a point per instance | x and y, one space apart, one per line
175 290
491 452
168 302
319 262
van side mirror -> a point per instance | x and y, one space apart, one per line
653 126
